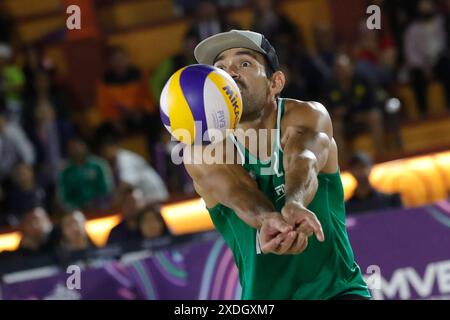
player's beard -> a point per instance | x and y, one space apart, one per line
253 102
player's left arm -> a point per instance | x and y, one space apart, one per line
309 148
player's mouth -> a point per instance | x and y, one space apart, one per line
240 85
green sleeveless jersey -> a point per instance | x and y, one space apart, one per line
324 270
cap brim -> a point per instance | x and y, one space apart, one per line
207 50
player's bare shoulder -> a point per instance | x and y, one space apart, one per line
314 116
310 114
305 108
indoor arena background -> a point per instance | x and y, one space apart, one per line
79 105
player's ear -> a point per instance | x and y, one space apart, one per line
278 81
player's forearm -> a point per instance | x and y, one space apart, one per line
251 206
301 178
234 188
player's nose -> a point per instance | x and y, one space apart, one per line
231 70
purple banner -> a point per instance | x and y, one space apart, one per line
200 270
405 254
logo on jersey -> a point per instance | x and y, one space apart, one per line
280 192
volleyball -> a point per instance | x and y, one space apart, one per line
200 104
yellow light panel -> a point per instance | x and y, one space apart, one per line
187 216
9 241
98 229
349 183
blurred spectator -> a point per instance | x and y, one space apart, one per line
174 175
38 233
122 94
167 67
269 21
36 63
398 14
353 107
151 223
43 86
446 13
295 86
85 182
49 131
6 24
208 21
375 60
287 39
231 3
376 56
425 51
124 100
132 170
73 232
23 194
325 50
128 228
185 7
12 81
308 73
366 198
14 145
276 27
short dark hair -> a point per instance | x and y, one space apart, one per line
3 108
108 140
154 209
191 34
360 158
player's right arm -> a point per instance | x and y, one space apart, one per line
232 186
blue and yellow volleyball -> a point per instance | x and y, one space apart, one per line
200 104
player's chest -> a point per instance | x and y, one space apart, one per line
270 182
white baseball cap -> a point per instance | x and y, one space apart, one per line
207 51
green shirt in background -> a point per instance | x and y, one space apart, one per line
81 185
14 79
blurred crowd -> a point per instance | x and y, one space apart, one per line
52 174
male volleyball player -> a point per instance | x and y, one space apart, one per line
268 220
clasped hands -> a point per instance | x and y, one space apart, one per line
288 232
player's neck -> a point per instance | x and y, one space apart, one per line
266 121
261 119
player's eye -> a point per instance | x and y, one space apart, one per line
245 64
219 66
